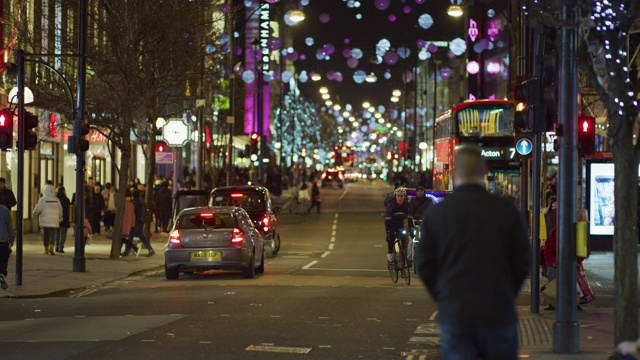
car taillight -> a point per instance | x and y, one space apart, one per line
265 224
237 236
340 176
174 237
324 175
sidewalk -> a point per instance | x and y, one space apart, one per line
46 275
596 323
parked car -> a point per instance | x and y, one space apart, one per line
214 238
331 175
256 201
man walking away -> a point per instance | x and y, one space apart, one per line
7 198
6 242
474 256
142 215
315 197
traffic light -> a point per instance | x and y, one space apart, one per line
161 146
533 117
6 129
78 144
29 129
253 147
586 135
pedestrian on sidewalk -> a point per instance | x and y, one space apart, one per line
98 209
164 205
315 197
6 242
474 257
128 220
110 211
87 231
49 212
61 234
142 214
7 198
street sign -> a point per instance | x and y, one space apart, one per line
175 132
524 146
164 158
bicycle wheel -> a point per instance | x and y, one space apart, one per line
393 268
405 272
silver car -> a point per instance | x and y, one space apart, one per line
214 238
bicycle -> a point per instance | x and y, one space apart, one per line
399 266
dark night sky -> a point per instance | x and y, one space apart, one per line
364 34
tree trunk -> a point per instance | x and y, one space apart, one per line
150 186
625 238
123 185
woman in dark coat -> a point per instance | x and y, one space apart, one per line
98 206
315 197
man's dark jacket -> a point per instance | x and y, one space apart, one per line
473 257
7 198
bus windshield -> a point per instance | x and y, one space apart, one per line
486 120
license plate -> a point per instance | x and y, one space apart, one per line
206 255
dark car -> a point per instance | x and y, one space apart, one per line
187 199
216 238
331 175
256 201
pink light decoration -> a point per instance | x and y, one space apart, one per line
494 29
473 67
406 9
472 97
493 67
473 30
392 18
346 40
324 18
382 4
303 57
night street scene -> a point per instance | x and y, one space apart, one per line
319 179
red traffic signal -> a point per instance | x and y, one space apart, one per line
586 135
6 129
161 146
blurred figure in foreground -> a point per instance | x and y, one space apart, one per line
474 257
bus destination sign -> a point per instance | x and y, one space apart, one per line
499 153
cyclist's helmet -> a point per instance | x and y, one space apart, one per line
400 191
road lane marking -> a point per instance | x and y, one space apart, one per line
309 264
433 316
333 239
333 233
334 227
307 267
279 349
336 215
331 246
325 254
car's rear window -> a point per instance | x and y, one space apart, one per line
248 201
204 220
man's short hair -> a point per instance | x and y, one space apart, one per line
420 187
3 180
469 163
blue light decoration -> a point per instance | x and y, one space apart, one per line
425 21
248 76
404 52
309 41
458 46
359 76
382 47
356 53
304 77
286 76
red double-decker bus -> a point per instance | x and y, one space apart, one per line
488 123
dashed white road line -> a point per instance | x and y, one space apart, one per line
310 264
325 254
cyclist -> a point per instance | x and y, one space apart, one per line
420 203
395 224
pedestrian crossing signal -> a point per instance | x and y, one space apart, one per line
6 129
